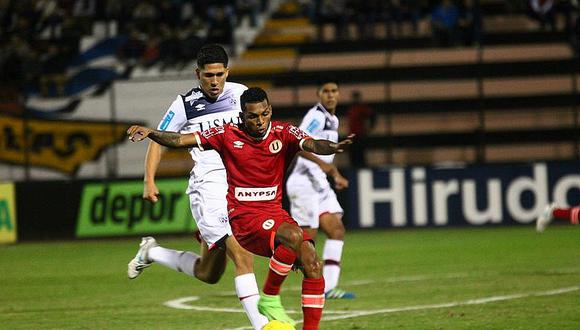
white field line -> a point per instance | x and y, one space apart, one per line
417 278
396 279
340 315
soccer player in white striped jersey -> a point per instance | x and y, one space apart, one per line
213 103
313 203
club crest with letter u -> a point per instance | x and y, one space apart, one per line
275 146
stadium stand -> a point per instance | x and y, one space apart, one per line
508 92
512 99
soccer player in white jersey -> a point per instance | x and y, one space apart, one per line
313 202
213 103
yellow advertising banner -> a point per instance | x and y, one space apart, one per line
58 145
7 214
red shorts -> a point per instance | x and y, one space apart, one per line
255 229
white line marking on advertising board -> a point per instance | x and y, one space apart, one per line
329 315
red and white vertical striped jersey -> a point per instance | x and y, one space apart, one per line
255 168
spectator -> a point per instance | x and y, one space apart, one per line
6 16
470 23
409 10
366 15
51 16
335 13
53 73
361 118
84 12
133 48
151 52
221 29
168 47
250 8
145 15
444 22
189 44
169 13
70 36
543 11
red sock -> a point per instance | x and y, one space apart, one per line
312 302
280 265
572 214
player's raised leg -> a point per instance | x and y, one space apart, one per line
552 212
141 259
181 261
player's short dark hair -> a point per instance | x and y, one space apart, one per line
253 95
327 80
212 53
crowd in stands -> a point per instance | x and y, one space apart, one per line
452 22
39 38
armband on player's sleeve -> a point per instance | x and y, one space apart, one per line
302 142
198 140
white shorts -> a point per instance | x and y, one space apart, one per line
308 201
209 209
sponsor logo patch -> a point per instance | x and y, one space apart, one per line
238 144
167 120
193 97
255 194
268 224
313 126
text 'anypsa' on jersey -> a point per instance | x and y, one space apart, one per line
255 194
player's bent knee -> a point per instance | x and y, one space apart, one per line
290 236
209 277
336 233
210 269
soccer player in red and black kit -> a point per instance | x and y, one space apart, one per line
552 212
256 155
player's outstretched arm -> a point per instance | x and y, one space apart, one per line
325 147
168 139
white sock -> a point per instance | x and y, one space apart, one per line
181 261
331 256
247 291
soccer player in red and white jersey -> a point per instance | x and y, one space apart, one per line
551 212
256 155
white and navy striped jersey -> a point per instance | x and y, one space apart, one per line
194 112
319 124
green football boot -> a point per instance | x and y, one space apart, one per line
271 307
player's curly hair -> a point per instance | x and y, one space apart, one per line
253 95
212 53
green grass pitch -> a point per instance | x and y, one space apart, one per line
473 278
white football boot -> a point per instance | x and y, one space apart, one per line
141 260
545 218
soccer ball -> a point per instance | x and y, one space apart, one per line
277 325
